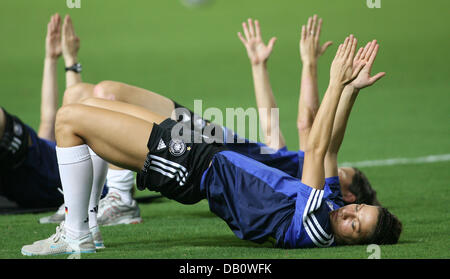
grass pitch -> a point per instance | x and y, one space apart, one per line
188 53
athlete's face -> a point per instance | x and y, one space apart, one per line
353 223
345 179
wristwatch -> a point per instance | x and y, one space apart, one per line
75 67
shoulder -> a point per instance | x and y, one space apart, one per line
311 225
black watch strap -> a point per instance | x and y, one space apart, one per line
75 68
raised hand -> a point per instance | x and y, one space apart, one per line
310 48
342 69
257 51
366 56
70 42
53 39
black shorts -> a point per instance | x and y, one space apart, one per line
174 165
214 131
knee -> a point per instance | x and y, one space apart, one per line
105 90
64 117
77 92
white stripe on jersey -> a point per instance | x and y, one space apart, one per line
314 202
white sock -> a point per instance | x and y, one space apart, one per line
121 182
100 168
75 169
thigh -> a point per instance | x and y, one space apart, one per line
125 108
119 138
122 92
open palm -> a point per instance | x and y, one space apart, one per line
257 51
366 56
53 39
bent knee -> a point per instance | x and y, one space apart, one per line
77 92
105 90
65 117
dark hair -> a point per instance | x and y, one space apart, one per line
362 189
387 230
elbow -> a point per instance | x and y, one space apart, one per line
306 120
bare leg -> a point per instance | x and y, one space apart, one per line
117 91
144 100
131 110
112 90
119 138
78 92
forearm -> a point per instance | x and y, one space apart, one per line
49 99
265 101
72 78
344 109
309 96
321 130
308 103
340 123
319 139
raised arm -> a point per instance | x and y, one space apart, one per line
342 73
259 53
49 91
310 51
70 47
366 56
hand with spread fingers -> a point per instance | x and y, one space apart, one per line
257 51
366 56
310 48
343 71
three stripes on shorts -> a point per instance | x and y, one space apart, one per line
168 168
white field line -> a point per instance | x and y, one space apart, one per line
398 161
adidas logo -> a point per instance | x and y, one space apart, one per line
161 145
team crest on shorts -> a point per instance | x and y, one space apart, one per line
177 147
18 129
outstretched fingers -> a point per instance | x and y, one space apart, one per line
251 28
318 30
258 29
358 55
309 26
271 43
246 32
243 40
370 64
351 48
304 32
376 77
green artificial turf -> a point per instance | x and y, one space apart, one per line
188 54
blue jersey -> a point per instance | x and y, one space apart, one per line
259 202
310 226
36 183
290 162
